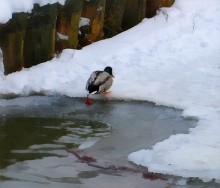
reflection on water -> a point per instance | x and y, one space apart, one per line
28 138
36 131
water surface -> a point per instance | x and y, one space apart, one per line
36 131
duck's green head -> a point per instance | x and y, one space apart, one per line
108 70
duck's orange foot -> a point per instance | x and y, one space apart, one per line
88 101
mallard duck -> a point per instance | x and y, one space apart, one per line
99 82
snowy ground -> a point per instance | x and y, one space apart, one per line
171 60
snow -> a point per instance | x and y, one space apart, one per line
84 21
62 37
10 6
172 61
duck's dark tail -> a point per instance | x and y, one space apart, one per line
93 88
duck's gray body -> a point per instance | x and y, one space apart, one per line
99 82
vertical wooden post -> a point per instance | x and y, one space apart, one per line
95 11
68 24
114 12
134 13
12 42
39 44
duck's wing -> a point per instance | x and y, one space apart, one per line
104 87
92 78
104 81
101 78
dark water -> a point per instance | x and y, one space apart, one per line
36 131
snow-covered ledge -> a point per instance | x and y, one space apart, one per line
8 7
